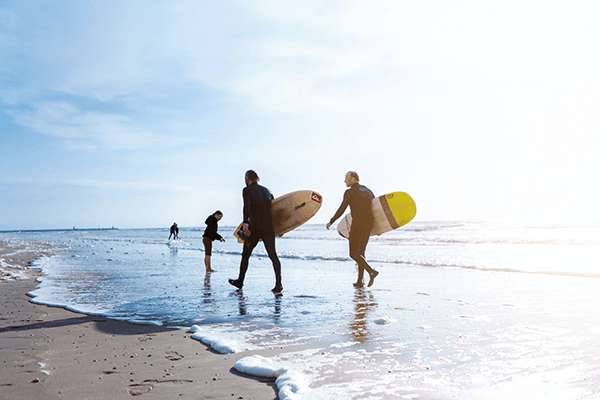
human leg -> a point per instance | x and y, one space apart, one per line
269 242
207 253
359 238
249 245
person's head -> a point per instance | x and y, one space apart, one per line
351 178
218 215
251 177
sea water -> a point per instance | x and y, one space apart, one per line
460 309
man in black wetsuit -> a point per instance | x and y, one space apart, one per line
257 224
359 198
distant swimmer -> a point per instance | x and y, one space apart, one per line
358 197
174 231
210 234
257 224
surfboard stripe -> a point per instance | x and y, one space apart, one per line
388 213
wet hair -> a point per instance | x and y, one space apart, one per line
218 212
354 175
252 175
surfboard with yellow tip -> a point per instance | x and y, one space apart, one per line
390 211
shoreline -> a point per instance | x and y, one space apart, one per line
53 353
421 332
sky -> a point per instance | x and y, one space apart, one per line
139 114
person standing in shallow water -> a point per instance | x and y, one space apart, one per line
210 235
257 224
174 231
359 198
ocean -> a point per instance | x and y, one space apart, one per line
460 309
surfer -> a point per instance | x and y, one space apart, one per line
257 224
359 198
174 231
210 234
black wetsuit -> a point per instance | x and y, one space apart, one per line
359 198
210 234
257 213
211 228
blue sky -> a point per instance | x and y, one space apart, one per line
140 113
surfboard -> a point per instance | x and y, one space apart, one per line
289 212
390 211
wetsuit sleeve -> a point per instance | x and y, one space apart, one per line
342 208
246 196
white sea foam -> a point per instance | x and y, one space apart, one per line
4 264
144 322
177 243
223 342
16 275
291 384
342 345
8 271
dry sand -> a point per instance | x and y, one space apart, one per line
52 353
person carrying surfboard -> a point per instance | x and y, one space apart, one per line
359 198
210 234
257 224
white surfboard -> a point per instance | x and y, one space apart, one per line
390 212
290 211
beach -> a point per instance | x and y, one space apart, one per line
52 353
459 311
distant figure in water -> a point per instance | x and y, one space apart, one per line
174 231
210 234
257 224
359 198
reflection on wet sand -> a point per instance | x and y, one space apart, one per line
277 310
363 303
207 292
241 302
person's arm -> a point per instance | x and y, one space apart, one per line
246 220
212 228
340 210
246 196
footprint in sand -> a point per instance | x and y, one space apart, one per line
139 389
173 356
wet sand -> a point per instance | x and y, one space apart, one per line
52 353
427 333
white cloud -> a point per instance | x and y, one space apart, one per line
88 129
134 186
349 56
114 186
